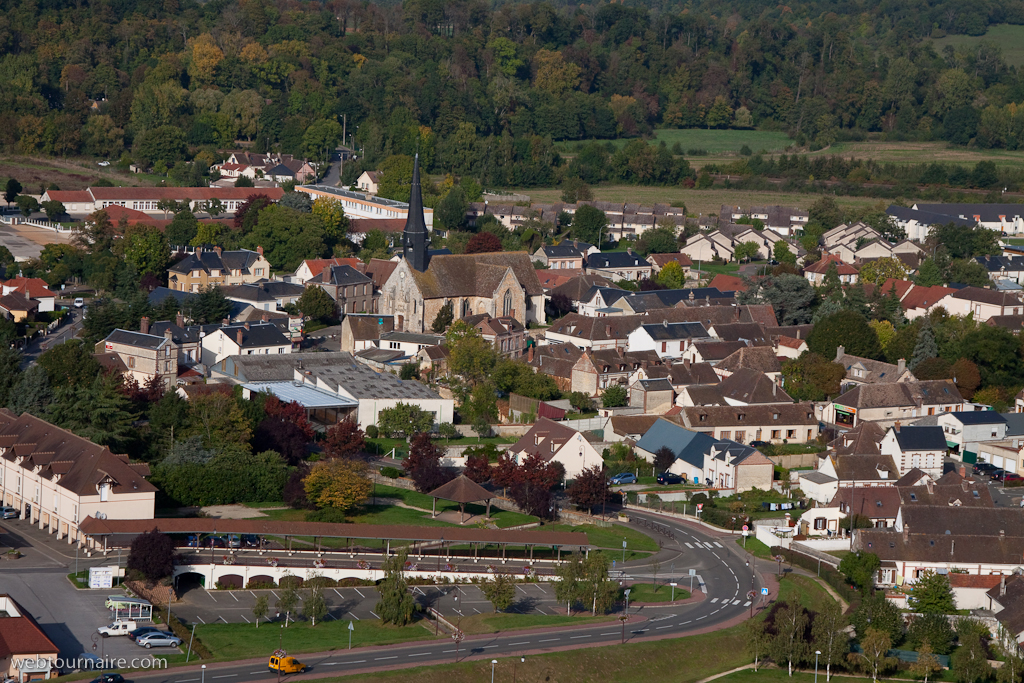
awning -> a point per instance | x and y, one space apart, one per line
952 444
844 409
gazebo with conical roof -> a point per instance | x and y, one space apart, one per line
461 490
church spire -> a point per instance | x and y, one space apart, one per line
415 238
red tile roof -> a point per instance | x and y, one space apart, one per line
827 260
382 224
30 286
923 297
182 193
661 259
902 287
116 213
728 283
986 581
21 635
317 265
791 342
69 196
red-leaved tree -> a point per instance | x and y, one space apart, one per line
504 473
424 464
478 468
345 440
253 204
483 242
589 489
292 412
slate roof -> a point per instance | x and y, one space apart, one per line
617 259
717 350
562 250
341 276
926 217
876 502
687 445
749 333
973 521
956 550
556 360
258 335
241 260
986 296
705 395
671 331
412 337
875 371
681 375
461 489
136 339
751 386
16 301
990 213
475 274
1014 424
920 438
655 384
964 494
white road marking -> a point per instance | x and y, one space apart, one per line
200 618
713 600
275 595
548 640
575 637
246 620
331 663
661 627
708 544
699 618
525 642
336 591
354 616
719 544
211 596
377 659
477 611
419 654
374 615
232 594
686 622
225 676
357 661
613 633
360 594
688 545
747 603
735 602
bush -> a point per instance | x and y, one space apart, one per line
260 585
390 472
372 432
290 582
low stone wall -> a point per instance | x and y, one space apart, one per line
515 430
458 450
577 518
797 460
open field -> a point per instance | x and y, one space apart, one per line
701 201
920 153
498 622
711 141
33 172
679 660
1008 38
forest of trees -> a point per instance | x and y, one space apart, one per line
484 92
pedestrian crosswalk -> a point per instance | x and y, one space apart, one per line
688 545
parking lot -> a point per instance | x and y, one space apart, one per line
235 606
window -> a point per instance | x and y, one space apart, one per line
167 352
776 433
131 361
810 434
740 435
725 435
790 433
994 434
819 522
664 347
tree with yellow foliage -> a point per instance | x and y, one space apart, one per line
204 56
553 74
337 483
332 214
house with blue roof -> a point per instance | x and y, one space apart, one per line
701 459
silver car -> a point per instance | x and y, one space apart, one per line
10 513
159 639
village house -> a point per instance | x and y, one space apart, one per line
17 307
619 265
886 403
209 268
26 654
867 371
507 335
554 442
876 505
779 423
668 340
983 303
33 288
151 199
145 356
964 431
368 182
565 255
360 332
815 273
351 290
913 447
652 396
261 338
659 261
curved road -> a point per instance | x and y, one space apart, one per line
716 559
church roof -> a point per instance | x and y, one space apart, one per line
456 275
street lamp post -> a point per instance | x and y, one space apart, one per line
493 662
203 674
624 552
521 659
816 653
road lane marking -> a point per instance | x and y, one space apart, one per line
699 618
575 637
232 594
525 642
719 544
419 654
225 676
374 615
747 603
200 618
688 545
331 663
275 595
661 627
354 616
336 591
246 620
714 600
735 602
211 596
613 633
377 659
360 594
547 640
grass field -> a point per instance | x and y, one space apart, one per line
610 537
701 201
1009 39
238 641
675 660
648 592
920 153
496 623
32 172
711 141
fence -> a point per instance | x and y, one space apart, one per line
831 576
586 424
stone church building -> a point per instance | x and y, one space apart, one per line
499 284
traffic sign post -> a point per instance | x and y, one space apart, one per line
673 584
764 596
351 627
624 551
746 532
693 573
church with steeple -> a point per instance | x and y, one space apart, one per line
501 284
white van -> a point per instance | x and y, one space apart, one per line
117 628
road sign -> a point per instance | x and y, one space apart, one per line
673 584
764 591
746 528
700 506
351 626
693 572
623 544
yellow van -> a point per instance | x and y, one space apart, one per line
287 665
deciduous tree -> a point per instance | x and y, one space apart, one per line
443 318
829 634
483 242
396 605
933 594
589 489
317 304
845 328
788 646
404 420
614 396
344 440
152 555
424 464
337 483
500 590
874 657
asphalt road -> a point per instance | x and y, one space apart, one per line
62 334
725 574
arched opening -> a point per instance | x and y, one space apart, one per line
261 581
232 581
187 582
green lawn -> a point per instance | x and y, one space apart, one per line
1008 38
382 446
711 141
754 546
649 592
496 623
609 540
240 641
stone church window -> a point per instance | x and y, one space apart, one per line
507 307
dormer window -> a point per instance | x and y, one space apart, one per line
775 416
703 418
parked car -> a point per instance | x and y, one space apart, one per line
109 678
667 478
158 639
215 542
622 478
117 628
280 661
997 474
10 513
250 541
143 630
1012 476
759 444
79 302
984 467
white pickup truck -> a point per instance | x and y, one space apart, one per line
117 628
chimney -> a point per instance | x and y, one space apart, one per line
1002 533
168 335
529 354
840 352
238 336
225 321
738 313
897 426
629 250
1002 586
686 363
608 330
199 251
247 326
906 532
775 389
576 244
963 471
665 323
259 250
218 251
263 316
930 485
145 325
901 365
179 320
